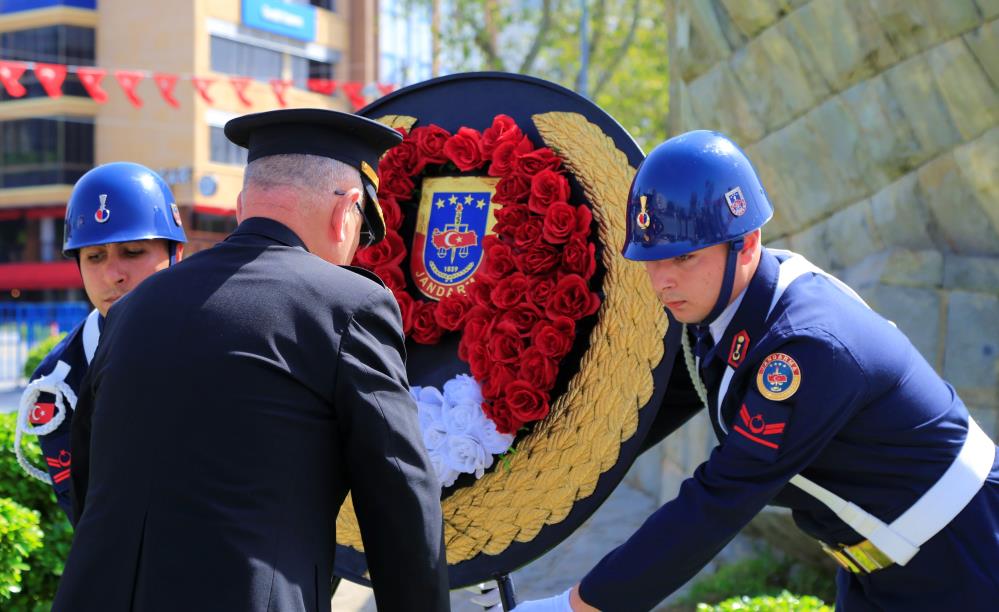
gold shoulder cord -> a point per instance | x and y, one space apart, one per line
561 461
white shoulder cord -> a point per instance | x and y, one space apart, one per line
688 358
65 398
54 383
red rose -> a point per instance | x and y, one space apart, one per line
451 312
499 413
579 257
389 252
554 338
560 223
405 157
584 218
464 150
391 211
538 370
534 162
539 259
394 183
481 291
478 321
526 402
476 356
393 278
510 216
510 290
499 261
506 153
547 187
540 291
572 298
425 328
511 190
528 233
430 142
504 129
523 317
495 382
504 344
405 309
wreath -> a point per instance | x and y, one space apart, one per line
518 315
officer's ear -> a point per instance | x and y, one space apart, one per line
239 208
344 205
750 246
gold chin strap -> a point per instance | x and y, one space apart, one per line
370 173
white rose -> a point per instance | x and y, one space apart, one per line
445 474
493 441
462 389
434 437
462 418
429 402
466 454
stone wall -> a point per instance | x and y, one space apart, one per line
873 124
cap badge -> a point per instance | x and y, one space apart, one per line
736 203
103 214
176 213
643 219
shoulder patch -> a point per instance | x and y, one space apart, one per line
778 377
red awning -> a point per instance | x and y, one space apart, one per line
208 209
35 276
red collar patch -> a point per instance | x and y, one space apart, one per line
740 346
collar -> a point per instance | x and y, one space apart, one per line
746 323
270 229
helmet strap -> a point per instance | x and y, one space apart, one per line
725 295
172 249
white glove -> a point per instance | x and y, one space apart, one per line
559 603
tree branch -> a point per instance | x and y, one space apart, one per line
543 28
615 61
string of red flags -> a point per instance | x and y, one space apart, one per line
52 77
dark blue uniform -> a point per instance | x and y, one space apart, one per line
826 388
56 445
247 391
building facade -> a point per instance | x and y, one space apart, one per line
47 143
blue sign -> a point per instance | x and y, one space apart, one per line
15 6
292 20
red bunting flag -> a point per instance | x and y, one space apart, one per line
10 74
385 88
166 83
353 92
91 79
129 80
240 84
323 86
202 84
51 77
280 86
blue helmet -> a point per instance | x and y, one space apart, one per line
120 202
693 191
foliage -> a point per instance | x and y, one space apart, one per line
40 351
43 566
784 602
627 71
764 574
19 536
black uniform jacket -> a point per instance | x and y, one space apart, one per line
233 402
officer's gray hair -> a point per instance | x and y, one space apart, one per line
306 173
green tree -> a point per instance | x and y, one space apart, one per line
627 71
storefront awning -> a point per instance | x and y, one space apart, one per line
36 276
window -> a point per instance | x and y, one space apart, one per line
60 44
223 150
232 57
45 151
206 222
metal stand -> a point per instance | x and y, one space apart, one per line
507 597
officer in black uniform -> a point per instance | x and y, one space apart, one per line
249 390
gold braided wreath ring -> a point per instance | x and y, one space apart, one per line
561 460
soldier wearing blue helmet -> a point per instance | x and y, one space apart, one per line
819 405
122 225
